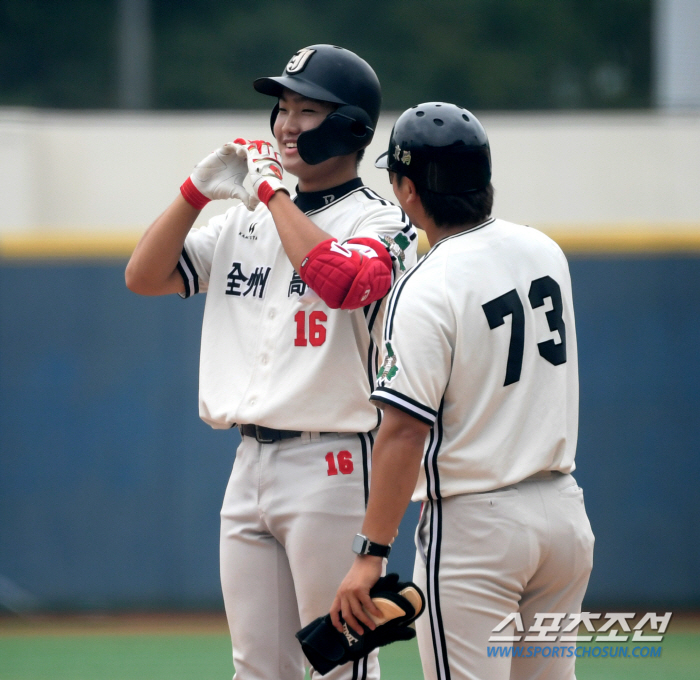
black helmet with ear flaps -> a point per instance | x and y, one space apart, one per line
441 147
336 75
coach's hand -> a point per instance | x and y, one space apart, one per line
219 176
264 168
353 601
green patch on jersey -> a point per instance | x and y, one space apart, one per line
390 367
396 246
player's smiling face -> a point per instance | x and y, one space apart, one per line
298 114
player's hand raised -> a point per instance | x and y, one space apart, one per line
219 176
264 168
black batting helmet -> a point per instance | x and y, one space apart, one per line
441 147
330 74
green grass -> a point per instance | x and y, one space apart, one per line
198 656
115 657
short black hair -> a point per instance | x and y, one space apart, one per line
453 210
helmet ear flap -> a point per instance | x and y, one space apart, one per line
342 132
360 123
273 117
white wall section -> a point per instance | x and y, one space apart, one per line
116 171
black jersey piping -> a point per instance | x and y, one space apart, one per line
434 548
409 228
433 581
374 196
405 404
393 300
430 462
188 276
366 444
373 313
370 312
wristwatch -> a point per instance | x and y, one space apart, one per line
363 546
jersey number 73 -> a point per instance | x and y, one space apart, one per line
509 303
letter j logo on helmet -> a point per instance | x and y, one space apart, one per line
298 61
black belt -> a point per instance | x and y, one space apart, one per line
267 435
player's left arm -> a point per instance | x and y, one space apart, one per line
396 459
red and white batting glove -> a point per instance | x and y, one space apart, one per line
264 168
219 176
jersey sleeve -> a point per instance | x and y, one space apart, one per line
389 224
419 332
197 255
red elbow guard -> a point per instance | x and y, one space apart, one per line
348 276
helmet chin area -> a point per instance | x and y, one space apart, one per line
344 131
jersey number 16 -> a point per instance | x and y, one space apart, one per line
316 333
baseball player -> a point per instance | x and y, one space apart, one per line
480 396
296 290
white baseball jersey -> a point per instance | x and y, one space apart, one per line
273 353
481 344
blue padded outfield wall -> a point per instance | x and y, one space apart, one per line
110 485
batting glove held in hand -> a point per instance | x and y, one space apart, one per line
400 603
264 168
219 175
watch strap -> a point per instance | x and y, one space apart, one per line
363 546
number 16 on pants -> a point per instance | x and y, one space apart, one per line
344 463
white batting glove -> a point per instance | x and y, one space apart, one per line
219 176
264 168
